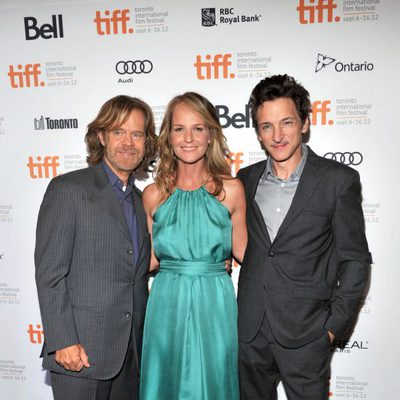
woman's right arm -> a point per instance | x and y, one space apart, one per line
151 200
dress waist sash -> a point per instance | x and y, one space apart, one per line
193 268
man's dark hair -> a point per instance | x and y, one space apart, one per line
278 86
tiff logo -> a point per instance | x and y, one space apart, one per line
26 76
110 25
211 69
323 8
35 335
46 31
321 108
43 169
234 160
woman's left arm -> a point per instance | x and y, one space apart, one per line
235 201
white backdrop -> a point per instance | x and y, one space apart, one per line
61 60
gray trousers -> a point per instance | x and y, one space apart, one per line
304 371
124 386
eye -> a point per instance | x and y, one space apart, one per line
137 135
199 129
177 129
118 132
288 123
265 127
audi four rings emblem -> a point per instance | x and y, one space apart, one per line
134 67
346 158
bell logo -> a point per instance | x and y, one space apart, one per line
321 108
43 169
234 160
26 76
237 120
35 335
323 8
211 68
108 25
46 31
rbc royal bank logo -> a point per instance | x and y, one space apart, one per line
208 16
317 11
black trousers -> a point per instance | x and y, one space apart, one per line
124 386
304 371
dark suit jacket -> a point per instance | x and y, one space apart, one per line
90 291
310 278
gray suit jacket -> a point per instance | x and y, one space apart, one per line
310 278
90 292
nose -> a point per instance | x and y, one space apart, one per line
127 139
188 135
277 134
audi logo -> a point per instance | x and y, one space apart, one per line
134 67
346 158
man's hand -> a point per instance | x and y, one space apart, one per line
72 358
228 265
331 336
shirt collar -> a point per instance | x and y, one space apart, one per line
113 178
296 173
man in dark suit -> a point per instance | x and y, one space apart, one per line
92 257
307 260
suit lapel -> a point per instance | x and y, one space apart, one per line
257 218
140 215
108 199
309 180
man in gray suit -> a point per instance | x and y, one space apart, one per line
92 257
307 260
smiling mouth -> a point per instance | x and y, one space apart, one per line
127 154
188 148
278 146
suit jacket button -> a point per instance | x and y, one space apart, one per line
127 314
130 252
271 254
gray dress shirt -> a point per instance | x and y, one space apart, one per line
274 196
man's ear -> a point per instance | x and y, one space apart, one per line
306 125
101 137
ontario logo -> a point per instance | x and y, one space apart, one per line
324 61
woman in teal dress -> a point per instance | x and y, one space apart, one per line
196 214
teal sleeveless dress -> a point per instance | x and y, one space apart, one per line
190 344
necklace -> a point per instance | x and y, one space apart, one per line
203 184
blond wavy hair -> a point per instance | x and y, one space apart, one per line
166 171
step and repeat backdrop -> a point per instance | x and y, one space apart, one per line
61 60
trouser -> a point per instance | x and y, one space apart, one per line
304 371
124 386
